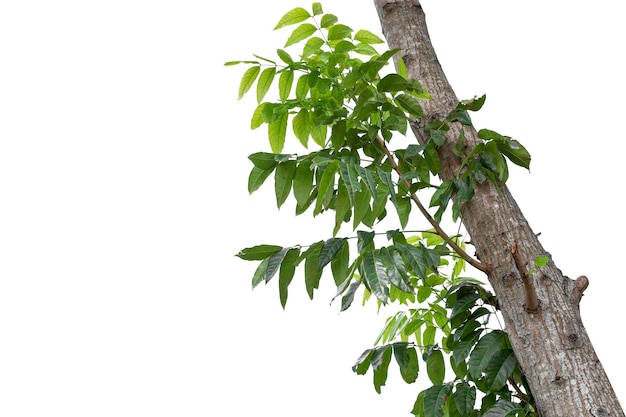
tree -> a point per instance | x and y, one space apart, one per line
544 363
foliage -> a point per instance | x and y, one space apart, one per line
337 95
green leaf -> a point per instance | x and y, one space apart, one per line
386 179
348 297
435 367
328 20
364 240
265 82
312 273
516 153
367 37
348 174
249 77
285 276
326 186
465 398
464 347
435 399
500 369
474 104
292 17
392 83
402 71
463 304
285 81
329 250
273 264
363 362
302 126
277 131
504 408
380 364
303 183
414 257
318 133
284 56
266 160
410 104
340 263
257 253
376 276
257 177
317 9
257 117
487 347
404 209
283 180
259 273
300 33
338 31
406 357
312 46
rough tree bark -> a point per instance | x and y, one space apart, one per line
540 308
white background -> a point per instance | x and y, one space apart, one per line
123 199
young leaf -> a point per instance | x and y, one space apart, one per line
338 31
312 46
257 253
285 81
317 8
302 126
257 117
328 20
277 131
292 17
265 81
249 77
300 33
367 37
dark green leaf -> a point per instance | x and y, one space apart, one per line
329 250
340 263
326 186
285 275
283 180
465 398
292 17
500 369
350 179
376 276
516 153
300 33
386 179
392 83
364 240
274 264
415 258
312 273
303 183
380 364
464 303
435 399
406 357
504 408
474 104
435 367
410 104
259 273
363 362
464 347
249 77
348 297
487 347
266 160
265 81
259 252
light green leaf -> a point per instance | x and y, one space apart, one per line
319 134
317 8
257 177
257 117
283 180
338 31
402 71
392 83
277 131
328 20
284 56
265 82
292 17
300 33
285 81
249 77
367 37
312 46
302 126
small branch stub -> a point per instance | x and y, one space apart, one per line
580 285
521 263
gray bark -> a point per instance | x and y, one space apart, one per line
550 342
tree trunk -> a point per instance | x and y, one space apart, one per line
540 306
